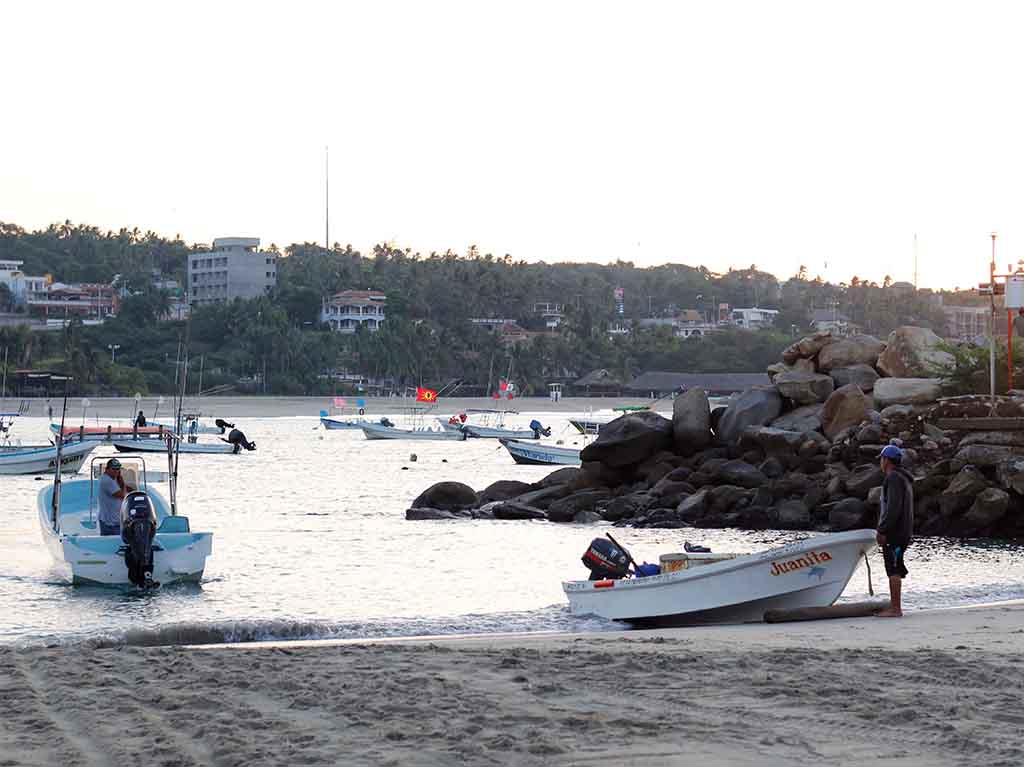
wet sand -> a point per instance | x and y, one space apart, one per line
935 688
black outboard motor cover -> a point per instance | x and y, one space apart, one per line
223 425
606 560
237 438
138 528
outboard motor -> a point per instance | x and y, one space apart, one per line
606 560
138 528
237 438
539 430
223 425
386 422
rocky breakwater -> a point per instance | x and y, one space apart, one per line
799 454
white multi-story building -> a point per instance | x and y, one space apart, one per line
754 318
235 268
350 309
22 286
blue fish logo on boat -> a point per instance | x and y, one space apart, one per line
816 572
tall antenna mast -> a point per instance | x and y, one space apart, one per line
327 199
915 260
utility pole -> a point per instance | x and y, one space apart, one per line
327 199
992 324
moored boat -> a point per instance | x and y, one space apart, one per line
382 431
540 453
729 589
110 432
42 459
155 446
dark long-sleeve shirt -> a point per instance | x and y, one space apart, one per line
896 520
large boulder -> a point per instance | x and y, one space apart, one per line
502 490
959 494
799 366
846 407
691 421
1002 438
989 507
862 479
804 388
740 473
1011 475
855 350
446 496
569 475
772 441
913 352
626 506
566 509
862 375
513 510
693 508
629 439
754 407
794 515
806 418
806 347
988 455
906 391
847 514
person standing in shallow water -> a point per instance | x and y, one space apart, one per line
895 524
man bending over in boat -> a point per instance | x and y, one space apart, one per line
112 491
895 524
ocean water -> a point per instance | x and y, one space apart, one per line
310 541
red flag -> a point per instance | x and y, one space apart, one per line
503 386
425 395
510 395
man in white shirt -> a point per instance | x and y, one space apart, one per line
112 491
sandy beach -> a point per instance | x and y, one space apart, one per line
936 688
270 407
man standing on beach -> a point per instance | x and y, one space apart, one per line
895 524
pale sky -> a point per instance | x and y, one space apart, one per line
716 133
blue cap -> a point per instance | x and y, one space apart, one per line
891 452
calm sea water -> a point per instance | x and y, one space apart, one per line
310 540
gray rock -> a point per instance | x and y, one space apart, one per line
1011 475
630 439
1000 438
587 518
770 440
907 391
754 407
870 433
846 407
626 506
988 455
691 421
798 366
514 510
418 514
447 496
544 496
806 418
740 473
913 352
967 485
863 376
875 497
565 509
570 475
725 497
804 388
862 479
897 411
989 507
694 507
847 514
502 490
793 515
772 468
806 347
855 350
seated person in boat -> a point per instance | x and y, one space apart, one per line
112 491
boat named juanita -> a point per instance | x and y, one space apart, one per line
810 559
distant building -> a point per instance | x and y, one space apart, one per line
350 309
598 383
837 324
235 268
552 314
658 383
22 286
754 318
92 302
965 323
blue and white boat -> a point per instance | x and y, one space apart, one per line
383 431
334 422
42 459
538 453
68 517
490 424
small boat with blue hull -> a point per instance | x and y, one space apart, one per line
70 529
334 422
538 453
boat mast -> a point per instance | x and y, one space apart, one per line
55 501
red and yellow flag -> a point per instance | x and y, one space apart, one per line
425 395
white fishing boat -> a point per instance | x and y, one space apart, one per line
68 517
333 421
383 431
192 425
110 432
155 446
485 423
590 423
540 453
727 588
42 459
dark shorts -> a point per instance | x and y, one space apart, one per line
106 529
893 557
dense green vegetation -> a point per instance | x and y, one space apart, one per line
276 345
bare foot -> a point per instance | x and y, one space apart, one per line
889 613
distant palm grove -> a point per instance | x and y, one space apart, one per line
277 345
